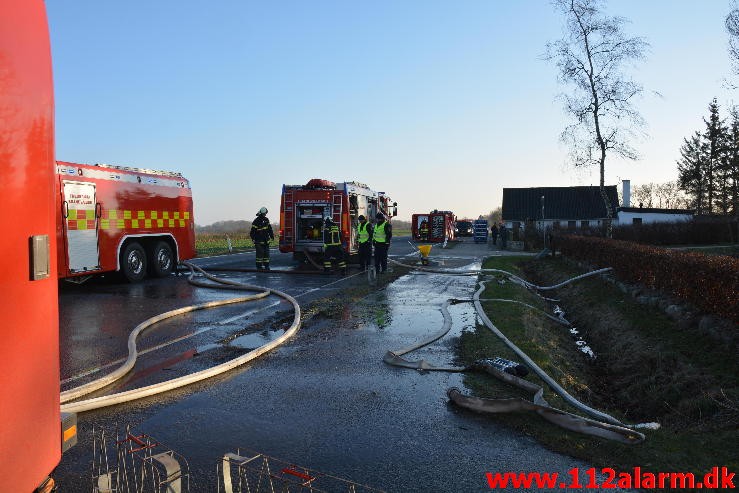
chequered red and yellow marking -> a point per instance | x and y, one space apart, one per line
127 219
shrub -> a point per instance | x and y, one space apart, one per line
710 283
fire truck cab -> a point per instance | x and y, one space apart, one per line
114 218
303 209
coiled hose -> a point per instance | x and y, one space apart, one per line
121 397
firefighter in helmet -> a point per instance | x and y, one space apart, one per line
381 238
364 236
332 246
423 230
261 233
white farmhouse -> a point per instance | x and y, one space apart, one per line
646 215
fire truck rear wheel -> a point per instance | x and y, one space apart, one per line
133 262
161 262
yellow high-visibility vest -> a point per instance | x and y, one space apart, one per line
379 235
363 233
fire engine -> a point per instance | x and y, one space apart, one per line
434 227
303 208
114 218
34 433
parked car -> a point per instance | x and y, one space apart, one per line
464 228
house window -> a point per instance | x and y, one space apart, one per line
571 224
636 221
584 224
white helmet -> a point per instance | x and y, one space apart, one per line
262 212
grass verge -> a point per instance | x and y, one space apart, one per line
646 369
207 244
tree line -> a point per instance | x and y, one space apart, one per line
708 168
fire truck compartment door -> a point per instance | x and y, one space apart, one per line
81 226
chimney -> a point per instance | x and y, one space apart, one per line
627 193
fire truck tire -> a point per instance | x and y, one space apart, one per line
161 261
133 262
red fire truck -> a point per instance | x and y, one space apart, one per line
434 227
33 434
113 218
303 209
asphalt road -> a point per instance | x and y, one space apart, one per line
324 400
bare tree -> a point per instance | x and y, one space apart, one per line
670 196
643 195
732 27
495 216
592 57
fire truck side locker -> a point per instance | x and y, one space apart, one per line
81 244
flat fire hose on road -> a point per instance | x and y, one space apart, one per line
158 388
605 427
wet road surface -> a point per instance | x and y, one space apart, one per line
324 400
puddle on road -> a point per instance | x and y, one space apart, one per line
246 341
409 311
256 339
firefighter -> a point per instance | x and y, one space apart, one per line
423 230
383 232
261 233
332 246
364 232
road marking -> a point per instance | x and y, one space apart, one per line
246 314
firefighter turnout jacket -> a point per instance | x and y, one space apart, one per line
331 235
261 230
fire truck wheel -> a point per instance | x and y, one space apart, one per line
133 262
161 262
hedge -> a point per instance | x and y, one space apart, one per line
700 231
710 283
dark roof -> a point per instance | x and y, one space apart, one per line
656 210
562 203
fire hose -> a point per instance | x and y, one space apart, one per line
161 387
608 426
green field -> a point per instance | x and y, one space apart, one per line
207 244
711 249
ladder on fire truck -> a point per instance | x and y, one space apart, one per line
290 212
336 207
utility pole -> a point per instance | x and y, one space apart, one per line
543 228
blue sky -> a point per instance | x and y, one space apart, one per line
439 104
